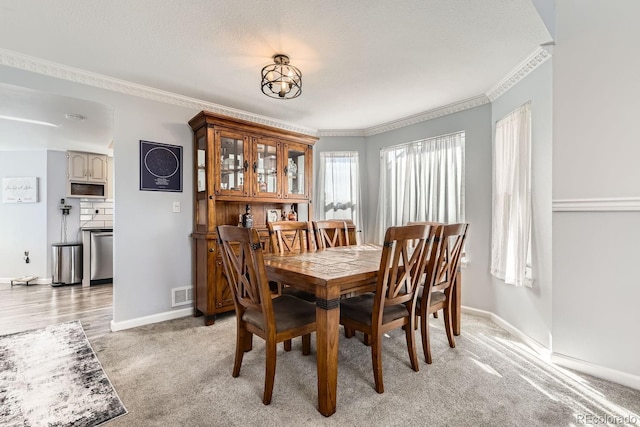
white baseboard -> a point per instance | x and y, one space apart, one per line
546 354
543 352
38 281
154 318
599 371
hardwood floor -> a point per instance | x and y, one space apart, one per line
35 306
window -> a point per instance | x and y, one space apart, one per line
421 181
511 223
339 187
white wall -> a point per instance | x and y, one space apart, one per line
152 248
476 122
35 226
529 309
596 289
23 226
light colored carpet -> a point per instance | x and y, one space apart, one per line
51 377
178 373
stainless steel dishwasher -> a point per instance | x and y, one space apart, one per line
101 257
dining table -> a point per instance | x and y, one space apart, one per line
329 274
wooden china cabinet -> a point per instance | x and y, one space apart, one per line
239 163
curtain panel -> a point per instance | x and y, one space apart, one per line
511 219
339 188
421 181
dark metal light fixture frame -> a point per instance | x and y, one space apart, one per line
281 80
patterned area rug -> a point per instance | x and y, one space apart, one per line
52 377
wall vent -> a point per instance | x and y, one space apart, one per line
181 296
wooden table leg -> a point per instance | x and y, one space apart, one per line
457 298
328 322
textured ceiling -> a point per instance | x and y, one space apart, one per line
95 133
363 62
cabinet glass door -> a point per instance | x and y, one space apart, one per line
294 171
232 155
267 183
201 208
201 162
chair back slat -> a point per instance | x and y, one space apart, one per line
331 233
401 267
432 236
288 236
444 258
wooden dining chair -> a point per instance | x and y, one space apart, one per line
393 304
433 225
352 232
272 319
331 233
287 236
442 264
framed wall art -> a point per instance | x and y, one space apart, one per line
160 167
20 190
274 215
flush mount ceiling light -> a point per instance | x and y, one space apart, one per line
74 116
281 80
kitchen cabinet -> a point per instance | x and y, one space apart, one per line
239 163
87 167
88 175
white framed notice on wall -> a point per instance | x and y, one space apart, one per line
20 190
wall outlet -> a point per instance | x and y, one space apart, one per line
176 207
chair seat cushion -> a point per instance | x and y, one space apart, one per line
360 309
289 313
436 298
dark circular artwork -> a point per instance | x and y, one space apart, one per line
161 162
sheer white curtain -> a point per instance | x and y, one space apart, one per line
421 181
511 225
339 188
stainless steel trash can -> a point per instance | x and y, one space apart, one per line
66 263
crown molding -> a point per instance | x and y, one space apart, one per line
428 115
621 204
533 61
76 75
342 132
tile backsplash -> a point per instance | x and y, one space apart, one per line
96 213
